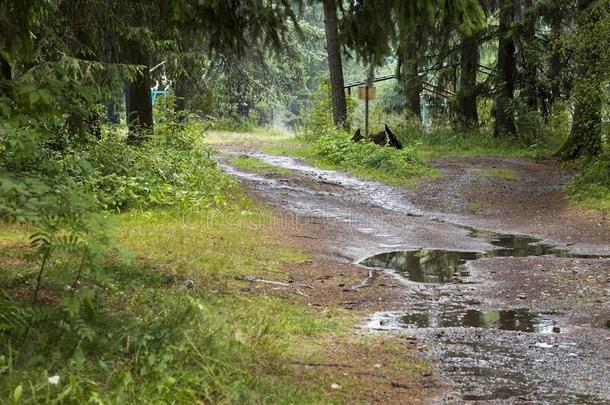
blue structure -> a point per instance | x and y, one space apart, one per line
154 92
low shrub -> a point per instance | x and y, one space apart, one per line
384 163
591 187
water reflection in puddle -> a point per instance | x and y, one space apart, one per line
443 266
521 320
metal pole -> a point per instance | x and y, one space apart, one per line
366 110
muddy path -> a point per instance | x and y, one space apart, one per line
510 300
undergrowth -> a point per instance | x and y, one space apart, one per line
393 166
167 327
141 307
590 188
335 150
255 165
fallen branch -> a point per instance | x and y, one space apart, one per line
299 292
367 281
312 364
383 377
304 236
258 280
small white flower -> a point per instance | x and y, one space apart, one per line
54 380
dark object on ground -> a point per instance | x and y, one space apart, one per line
381 138
393 140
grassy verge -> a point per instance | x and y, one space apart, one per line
591 186
445 143
258 135
402 168
255 165
170 325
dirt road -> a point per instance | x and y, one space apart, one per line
510 297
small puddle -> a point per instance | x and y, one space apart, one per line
521 320
424 265
444 266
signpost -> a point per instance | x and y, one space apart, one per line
366 93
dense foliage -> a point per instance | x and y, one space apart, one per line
384 163
591 187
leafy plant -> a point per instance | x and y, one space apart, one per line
399 167
591 187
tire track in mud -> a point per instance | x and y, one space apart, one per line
481 363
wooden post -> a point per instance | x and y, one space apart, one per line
366 110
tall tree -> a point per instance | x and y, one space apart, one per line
593 64
468 90
408 75
505 72
529 56
554 71
381 28
335 65
138 100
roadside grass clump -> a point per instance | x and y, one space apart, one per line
441 141
590 188
398 167
256 165
173 169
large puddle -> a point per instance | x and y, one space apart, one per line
448 266
521 320
445 266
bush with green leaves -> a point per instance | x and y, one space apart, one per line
387 163
66 193
171 170
591 187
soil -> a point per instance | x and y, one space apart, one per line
342 220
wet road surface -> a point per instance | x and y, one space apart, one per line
523 322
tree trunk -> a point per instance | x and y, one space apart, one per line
408 76
5 69
180 90
505 73
555 63
5 75
585 135
530 61
468 90
413 89
138 100
333 49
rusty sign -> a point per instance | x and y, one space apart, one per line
362 92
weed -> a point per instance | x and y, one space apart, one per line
591 187
255 165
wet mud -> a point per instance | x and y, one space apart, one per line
511 310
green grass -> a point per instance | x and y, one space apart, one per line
473 207
140 336
478 146
366 161
259 135
590 188
255 165
502 174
